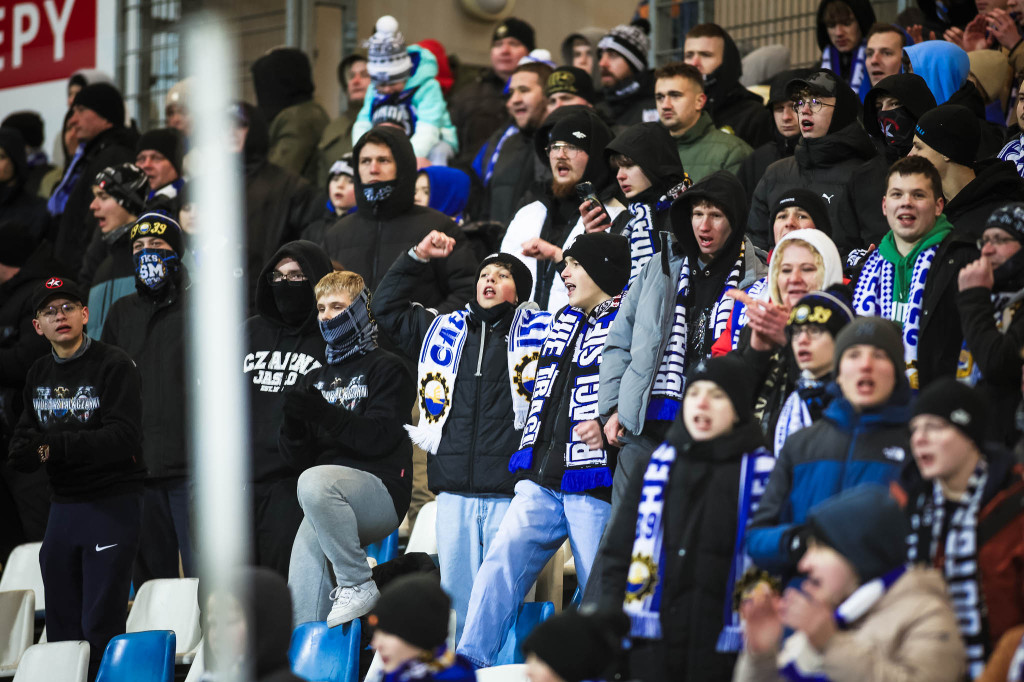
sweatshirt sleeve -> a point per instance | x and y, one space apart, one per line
119 436
380 428
997 354
404 322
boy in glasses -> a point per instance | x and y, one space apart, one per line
835 159
83 420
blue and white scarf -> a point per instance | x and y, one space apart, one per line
439 365
739 318
799 661
489 170
59 199
667 392
873 296
858 71
642 242
1014 151
645 578
573 345
795 413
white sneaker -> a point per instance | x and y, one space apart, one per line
352 602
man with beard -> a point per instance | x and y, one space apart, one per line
891 110
625 79
506 164
733 108
572 141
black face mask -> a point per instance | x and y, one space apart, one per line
897 129
294 301
379 192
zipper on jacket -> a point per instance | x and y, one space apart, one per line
375 253
476 401
480 355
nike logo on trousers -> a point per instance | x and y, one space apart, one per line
100 549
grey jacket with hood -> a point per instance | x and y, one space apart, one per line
638 336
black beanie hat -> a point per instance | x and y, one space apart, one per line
605 257
17 244
962 406
866 526
578 647
1009 218
105 100
830 309
415 608
808 201
951 130
167 141
515 28
572 80
521 274
154 224
29 124
732 375
873 331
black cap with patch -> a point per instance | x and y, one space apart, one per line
56 287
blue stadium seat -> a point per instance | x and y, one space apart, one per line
139 657
385 550
530 615
321 654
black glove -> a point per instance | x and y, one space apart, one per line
24 452
310 407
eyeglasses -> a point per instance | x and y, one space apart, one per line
558 148
813 332
814 103
994 241
275 276
66 308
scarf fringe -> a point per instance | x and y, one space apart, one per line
521 459
581 480
426 439
645 625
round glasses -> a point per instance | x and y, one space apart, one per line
814 103
559 148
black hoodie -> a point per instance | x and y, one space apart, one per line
281 78
914 96
278 354
733 108
996 183
863 12
652 148
278 203
369 240
17 204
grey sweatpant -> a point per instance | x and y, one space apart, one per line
345 510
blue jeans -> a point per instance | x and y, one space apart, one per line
536 524
466 526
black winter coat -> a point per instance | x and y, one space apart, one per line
76 225
733 108
754 166
515 170
996 183
369 240
152 333
700 519
845 169
479 435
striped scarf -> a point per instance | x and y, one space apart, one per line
667 392
874 296
858 71
796 411
640 232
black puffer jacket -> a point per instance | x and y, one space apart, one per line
20 346
151 330
76 225
843 167
369 240
630 99
278 355
914 96
700 520
479 435
996 184
733 108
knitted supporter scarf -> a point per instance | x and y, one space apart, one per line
959 560
646 571
641 235
858 72
739 317
489 170
574 345
439 360
801 408
799 661
351 332
875 296
667 392
1014 151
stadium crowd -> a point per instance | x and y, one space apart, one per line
747 337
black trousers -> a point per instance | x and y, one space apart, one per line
276 516
86 561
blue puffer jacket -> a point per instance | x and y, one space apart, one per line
843 449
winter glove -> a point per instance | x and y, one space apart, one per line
24 453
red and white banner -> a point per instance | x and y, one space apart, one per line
45 40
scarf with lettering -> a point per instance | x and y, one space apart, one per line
877 295
645 578
642 237
439 360
959 559
667 392
799 661
573 345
